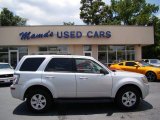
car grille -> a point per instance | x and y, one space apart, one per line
6 75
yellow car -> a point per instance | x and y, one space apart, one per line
152 73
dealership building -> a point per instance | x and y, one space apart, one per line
105 43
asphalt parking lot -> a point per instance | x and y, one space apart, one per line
13 109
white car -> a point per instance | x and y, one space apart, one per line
154 62
6 73
41 79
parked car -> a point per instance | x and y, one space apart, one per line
154 62
41 79
6 73
152 73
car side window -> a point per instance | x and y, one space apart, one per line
120 64
60 64
146 61
87 66
31 64
130 63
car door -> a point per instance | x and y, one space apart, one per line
59 74
121 66
130 66
90 82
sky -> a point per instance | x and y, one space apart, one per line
50 12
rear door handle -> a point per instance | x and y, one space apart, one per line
49 77
84 78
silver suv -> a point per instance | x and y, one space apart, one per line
40 79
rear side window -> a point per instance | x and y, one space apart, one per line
60 64
31 64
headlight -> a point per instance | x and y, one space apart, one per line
145 80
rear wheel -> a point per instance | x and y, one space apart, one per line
128 98
38 101
151 76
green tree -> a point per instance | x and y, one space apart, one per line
7 18
133 12
153 51
127 12
92 11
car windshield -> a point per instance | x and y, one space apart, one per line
142 63
4 66
155 61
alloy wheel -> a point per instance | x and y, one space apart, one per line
151 76
38 101
129 99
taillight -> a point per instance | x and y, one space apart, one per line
15 78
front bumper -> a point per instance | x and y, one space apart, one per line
158 76
145 90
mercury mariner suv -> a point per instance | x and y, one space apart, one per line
41 79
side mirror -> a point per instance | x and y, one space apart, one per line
103 71
136 66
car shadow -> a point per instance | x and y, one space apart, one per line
157 80
60 109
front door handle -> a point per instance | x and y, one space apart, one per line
49 77
84 78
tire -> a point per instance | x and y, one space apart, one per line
151 76
39 101
128 98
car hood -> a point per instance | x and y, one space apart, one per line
6 71
127 74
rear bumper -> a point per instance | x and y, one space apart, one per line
16 91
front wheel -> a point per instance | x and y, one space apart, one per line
38 101
151 76
128 98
